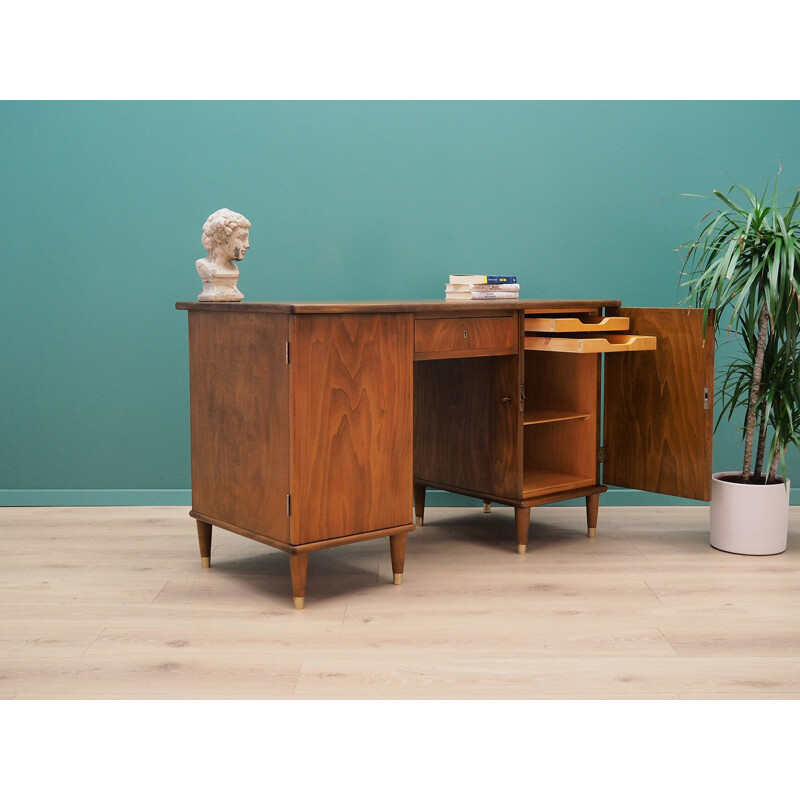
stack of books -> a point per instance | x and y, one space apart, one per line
482 287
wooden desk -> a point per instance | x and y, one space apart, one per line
303 415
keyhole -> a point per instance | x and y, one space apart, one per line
465 334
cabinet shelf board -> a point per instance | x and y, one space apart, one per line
538 416
536 481
575 325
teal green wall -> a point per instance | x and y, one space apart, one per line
103 202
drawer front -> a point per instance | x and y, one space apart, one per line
463 336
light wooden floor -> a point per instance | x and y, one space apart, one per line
113 603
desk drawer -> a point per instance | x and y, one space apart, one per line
465 336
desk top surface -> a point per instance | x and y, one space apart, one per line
426 307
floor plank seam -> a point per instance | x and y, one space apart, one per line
92 644
636 548
297 679
671 646
158 594
650 588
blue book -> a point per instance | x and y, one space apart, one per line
483 279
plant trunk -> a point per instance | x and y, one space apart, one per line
773 467
762 438
755 393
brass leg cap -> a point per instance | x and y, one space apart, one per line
522 549
398 578
592 533
299 603
419 522
487 507
206 561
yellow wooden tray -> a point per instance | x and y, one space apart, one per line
598 344
575 325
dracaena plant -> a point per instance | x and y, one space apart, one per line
746 264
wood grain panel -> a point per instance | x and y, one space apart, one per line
351 424
464 334
658 432
239 411
467 427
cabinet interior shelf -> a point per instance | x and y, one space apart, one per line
536 481
537 416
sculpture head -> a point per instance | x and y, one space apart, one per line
226 235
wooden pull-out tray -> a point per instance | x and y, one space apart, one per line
575 325
607 344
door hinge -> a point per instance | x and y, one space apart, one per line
601 455
287 352
288 505
522 398
705 399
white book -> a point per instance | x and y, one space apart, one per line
476 295
494 287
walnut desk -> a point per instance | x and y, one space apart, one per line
314 424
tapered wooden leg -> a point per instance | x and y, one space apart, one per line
204 539
592 507
298 566
522 518
397 546
419 503
487 506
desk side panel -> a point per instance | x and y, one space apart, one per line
352 425
239 383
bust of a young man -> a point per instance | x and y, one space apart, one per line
226 237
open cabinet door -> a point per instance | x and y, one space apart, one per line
659 406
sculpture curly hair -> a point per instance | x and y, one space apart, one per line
220 226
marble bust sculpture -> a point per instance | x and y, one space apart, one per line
226 237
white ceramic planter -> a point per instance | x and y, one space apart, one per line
749 520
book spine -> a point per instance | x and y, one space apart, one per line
483 279
494 295
495 287
500 279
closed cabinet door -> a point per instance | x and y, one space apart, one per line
659 406
467 424
351 468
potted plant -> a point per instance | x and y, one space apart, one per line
746 264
